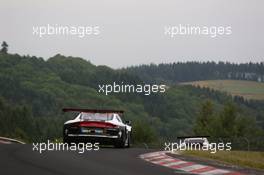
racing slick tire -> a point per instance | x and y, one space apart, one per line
128 140
121 142
66 139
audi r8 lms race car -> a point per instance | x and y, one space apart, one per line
102 126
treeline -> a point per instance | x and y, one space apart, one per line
229 125
43 88
34 91
225 123
193 71
18 122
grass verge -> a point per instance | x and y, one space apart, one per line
247 89
241 158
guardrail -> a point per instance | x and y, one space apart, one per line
9 140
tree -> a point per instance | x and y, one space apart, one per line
228 120
4 47
203 121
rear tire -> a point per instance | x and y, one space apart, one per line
128 140
121 142
66 139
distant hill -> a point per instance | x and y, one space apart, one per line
246 89
172 73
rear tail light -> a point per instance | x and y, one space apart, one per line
115 126
95 124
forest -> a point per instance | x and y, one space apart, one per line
34 91
193 71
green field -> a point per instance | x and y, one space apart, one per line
241 158
247 89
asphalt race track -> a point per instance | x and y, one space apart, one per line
20 159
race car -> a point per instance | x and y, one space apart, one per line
194 142
97 126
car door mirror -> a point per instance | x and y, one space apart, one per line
128 122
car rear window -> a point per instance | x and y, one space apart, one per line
96 116
194 141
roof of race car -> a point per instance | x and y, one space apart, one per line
91 110
186 137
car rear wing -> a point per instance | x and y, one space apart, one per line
92 110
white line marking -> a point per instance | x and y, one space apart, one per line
192 167
174 163
215 172
157 157
163 160
152 154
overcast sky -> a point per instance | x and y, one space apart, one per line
132 31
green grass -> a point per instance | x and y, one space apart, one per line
246 89
240 158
